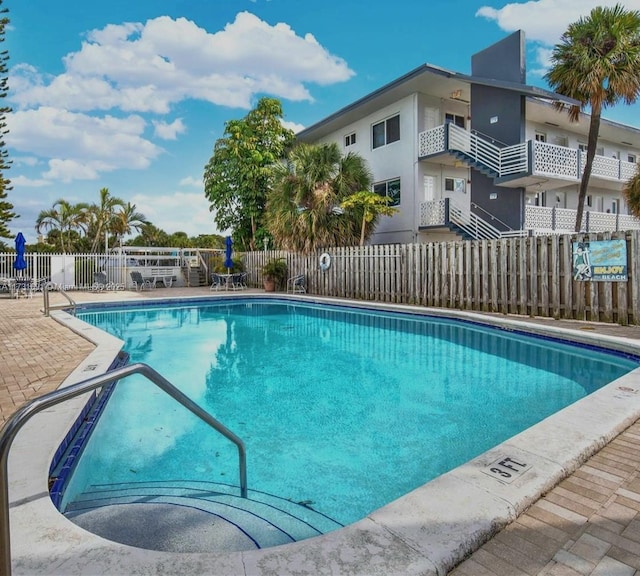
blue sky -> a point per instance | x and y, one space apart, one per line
132 95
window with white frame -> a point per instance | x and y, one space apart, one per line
589 201
541 136
583 148
615 206
386 132
390 189
350 139
456 119
455 185
631 158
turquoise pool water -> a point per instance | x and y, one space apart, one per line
345 409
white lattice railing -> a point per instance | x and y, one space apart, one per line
544 220
547 159
556 161
431 141
433 213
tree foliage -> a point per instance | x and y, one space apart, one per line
125 221
65 220
83 227
631 193
372 206
597 63
6 208
304 211
150 235
100 216
240 172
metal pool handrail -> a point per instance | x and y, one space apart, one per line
45 295
20 418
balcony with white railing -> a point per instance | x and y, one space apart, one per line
555 165
545 220
539 220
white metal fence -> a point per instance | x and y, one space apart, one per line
66 271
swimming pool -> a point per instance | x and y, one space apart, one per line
341 409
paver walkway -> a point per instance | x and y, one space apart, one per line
36 353
589 525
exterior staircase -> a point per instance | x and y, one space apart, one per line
475 163
191 516
466 223
194 276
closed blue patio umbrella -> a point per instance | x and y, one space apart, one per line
20 263
228 262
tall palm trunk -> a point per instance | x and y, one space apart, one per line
592 144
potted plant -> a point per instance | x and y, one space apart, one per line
274 274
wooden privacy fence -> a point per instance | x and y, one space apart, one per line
528 276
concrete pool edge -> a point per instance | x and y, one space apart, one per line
425 532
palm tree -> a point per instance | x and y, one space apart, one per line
125 221
101 215
65 218
303 212
631 193
150 235
597 63
372 206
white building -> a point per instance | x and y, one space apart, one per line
482 155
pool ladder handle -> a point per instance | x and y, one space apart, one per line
45 294
20 418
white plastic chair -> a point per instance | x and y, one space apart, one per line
296 284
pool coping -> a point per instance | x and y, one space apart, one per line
427 531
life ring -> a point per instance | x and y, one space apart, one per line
325 261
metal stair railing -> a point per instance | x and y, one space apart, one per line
507 232
24 414
503 161
514 159
476 227
476 148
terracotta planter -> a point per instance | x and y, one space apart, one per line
269 284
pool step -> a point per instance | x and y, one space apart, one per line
194 516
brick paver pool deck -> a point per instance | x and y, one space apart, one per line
589 525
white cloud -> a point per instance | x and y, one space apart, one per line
69 170
24 160
293 126
90 144
136 68
191 181
29 182
168 131
148 67
181 211
545 21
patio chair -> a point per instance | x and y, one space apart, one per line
297 284
99 281
8 285
140 283
239 281
24 287
39 285
217 282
